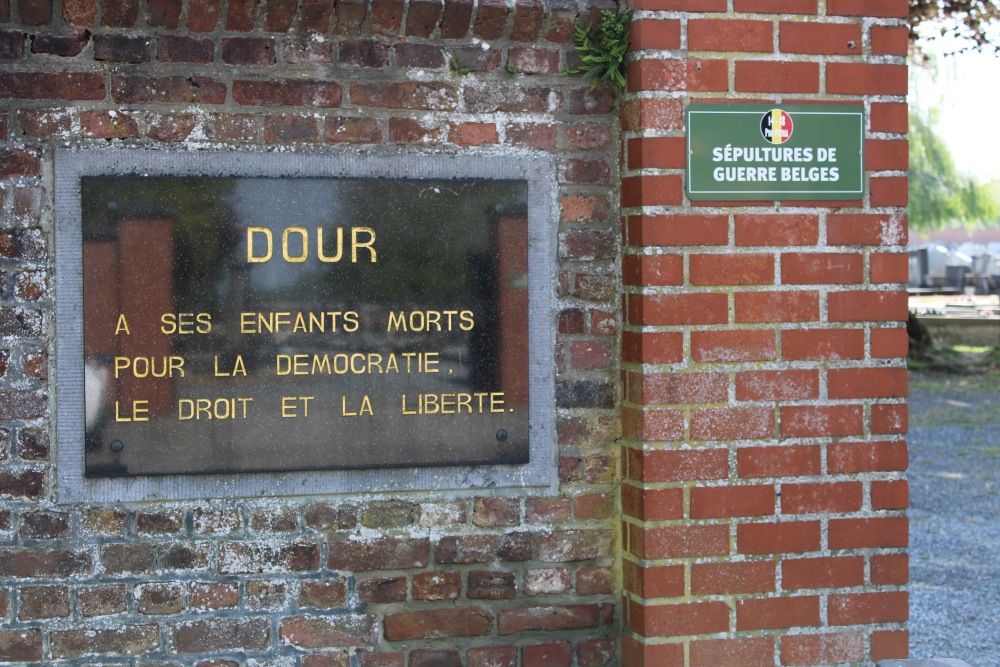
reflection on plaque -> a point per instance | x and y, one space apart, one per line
279 324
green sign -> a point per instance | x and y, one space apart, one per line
775 152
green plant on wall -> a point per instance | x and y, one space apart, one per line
602 48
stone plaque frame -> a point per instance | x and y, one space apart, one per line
69 409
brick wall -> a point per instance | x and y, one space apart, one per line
417 580
762 393
765 390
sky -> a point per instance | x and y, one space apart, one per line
966 90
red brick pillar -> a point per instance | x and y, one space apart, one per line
764 499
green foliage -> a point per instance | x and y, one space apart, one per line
602 48
940 195
457 69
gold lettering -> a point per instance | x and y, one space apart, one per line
185 323
298 322
304 235
319 245
362 238
143 367
369 244
397 321
207 408
140 412
365 409
251 257
430 320
122 326
239 368
290 406
454 403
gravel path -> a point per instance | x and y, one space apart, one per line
955 517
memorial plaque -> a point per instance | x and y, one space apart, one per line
262 324
788 152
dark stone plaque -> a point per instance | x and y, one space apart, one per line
269 324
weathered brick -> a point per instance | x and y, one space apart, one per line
326 594
120 13
387 16
203 15
409 95
214 596
123 48
180 49
164 13
237 557
291 129
172 89
422 17
126 640
80 13
595 580
108 125
16 562
475 59
490 99
456 622
432 657
184 556
422 56
437 586
278 15
44 602
491 585
496 512
363 53
379 554
568 617
101 600
253 51
33 444
490 19
382 590
305 49
28 484
231 127
65 46
21 645
473 134
379 660
350 16
205 636
241 15
573 545
44 525
128 558
330 631
51 85
278 520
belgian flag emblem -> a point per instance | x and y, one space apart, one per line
776 126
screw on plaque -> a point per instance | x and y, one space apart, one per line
502 435
117 445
